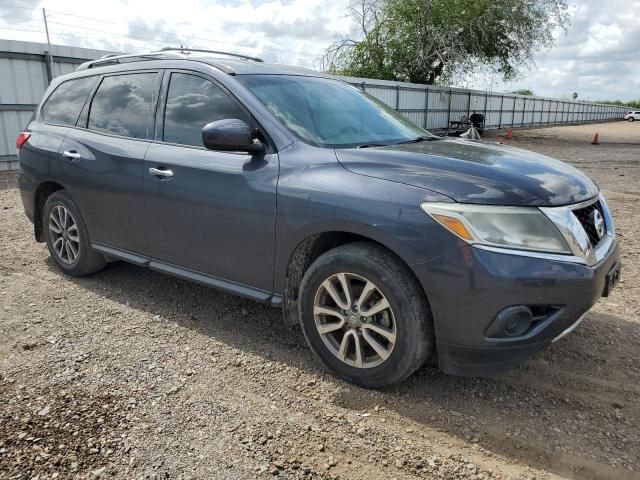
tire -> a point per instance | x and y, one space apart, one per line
408 315
631 119
73 237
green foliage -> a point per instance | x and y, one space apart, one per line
424 41
523 91
632 103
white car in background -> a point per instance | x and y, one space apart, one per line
632 115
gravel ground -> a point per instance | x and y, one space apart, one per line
133 374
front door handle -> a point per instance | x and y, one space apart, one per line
164 173
71 155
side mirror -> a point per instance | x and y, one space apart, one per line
231 135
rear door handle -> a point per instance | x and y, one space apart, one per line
157 172
71 155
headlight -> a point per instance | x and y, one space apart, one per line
525 228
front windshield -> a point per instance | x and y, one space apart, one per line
330 113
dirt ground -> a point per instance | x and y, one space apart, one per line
134 374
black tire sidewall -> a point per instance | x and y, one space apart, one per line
414 338
83 261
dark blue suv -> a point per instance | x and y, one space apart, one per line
388 245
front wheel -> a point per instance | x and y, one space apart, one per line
365 316
631 119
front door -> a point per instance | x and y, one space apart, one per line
210 212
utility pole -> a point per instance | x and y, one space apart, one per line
49 56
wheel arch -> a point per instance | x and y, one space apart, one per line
42 192
312 247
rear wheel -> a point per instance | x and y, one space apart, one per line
365 316
67 237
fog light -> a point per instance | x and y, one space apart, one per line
514 321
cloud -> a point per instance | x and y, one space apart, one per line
301 29
285 31
598 57
602 39
154 29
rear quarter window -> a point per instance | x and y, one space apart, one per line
65 103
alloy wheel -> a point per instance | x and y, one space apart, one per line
355 320
64 234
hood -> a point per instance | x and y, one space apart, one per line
470 171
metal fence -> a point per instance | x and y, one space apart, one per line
434 108
25 73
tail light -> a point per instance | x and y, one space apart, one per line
21 140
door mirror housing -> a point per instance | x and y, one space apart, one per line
231 135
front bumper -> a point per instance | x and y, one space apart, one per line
469 287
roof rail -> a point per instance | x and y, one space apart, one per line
217 52
113 59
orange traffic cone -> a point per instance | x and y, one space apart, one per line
510 134
596 139
500 140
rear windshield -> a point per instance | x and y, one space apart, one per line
330 113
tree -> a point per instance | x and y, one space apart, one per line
631 103
524 91
424 41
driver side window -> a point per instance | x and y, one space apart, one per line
192 102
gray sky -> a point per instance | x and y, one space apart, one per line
598 57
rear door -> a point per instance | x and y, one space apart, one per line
103 159
59 113
211 212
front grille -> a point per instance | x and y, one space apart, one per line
585 216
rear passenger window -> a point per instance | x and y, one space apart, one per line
123 105
192 102
64 105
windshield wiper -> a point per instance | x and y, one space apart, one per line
424 138
369 145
